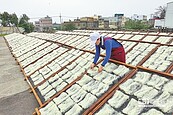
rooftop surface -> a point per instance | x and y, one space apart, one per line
14 94
56 67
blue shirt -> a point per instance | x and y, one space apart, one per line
108 45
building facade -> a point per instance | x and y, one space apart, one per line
44 24
84 23
169 15
117 21
139 17
103 24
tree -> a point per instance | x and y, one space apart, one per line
136 24
14 19
0 19
69 27
23 22
24 19
9 19
29 27
161 12
5 17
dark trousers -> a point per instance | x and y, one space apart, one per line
118 54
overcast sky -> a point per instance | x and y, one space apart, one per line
35 9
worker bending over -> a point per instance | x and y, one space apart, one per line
114 49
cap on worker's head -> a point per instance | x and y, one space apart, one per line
93 38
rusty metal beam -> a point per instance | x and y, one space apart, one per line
36 52
37 112
35 93
55 73
156 71
40 57
94 107
121 63
64 89
148 55
46 64
169 69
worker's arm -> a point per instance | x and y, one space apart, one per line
97 54
108 46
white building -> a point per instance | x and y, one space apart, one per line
159 23
139 17
168 21
169 15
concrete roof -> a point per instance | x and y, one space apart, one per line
56 67
14 95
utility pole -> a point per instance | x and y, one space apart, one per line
60 21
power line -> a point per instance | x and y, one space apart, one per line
54 16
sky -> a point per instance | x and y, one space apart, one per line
71 9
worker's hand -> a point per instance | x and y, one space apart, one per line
100 69
92 66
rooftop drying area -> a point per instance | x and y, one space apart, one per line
56 67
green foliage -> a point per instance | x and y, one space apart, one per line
136 24
24 19
3 35
29 27
23 22
5 17
57 28
69 27
12 19
8 19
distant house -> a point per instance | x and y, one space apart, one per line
44 24
139 17
159 23
117 21
84 23
103 23
98 22
37 26
112 21
120 20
